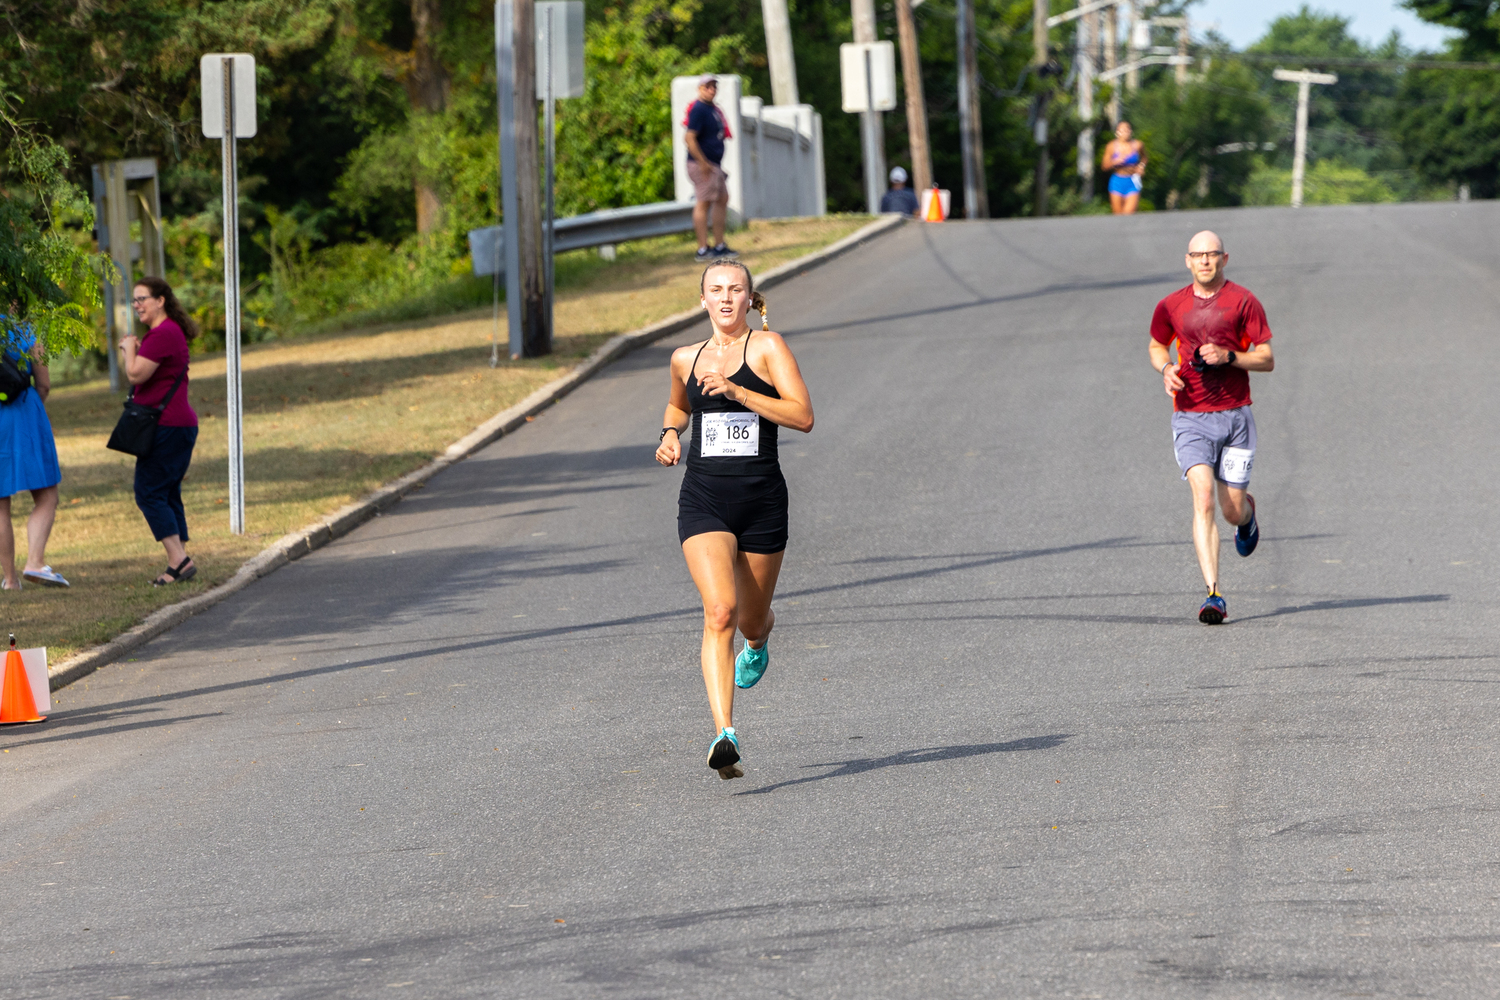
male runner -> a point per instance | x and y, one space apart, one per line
1222 336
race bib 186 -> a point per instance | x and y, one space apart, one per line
730 435
1234 465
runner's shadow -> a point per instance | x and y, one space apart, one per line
926 755
1351 602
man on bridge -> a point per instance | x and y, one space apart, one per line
1222 336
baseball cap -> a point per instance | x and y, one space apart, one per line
898 175
708 78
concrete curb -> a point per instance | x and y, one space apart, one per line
347 518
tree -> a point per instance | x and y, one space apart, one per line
1202 140
46 279
1449 123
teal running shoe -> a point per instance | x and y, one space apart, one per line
724 754
750 666
1247 535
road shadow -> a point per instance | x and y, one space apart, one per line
925 755
1346 604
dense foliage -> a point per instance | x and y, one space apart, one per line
377 143
47 282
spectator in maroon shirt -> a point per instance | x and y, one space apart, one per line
157 366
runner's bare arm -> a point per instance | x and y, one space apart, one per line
794 408
1161 360
1257 359
669 452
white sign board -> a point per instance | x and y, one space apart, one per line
211 77
567 47
882 76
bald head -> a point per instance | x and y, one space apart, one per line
1206 240
1206 258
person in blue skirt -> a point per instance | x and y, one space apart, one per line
28 458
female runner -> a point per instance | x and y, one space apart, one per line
732 512
1126 157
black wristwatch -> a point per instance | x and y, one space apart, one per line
1231 359
663 435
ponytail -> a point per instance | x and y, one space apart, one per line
161 290
758 303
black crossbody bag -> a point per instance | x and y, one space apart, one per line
135 434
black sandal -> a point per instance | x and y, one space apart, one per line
179 574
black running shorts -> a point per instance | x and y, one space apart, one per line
754 509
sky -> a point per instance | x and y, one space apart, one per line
1244 21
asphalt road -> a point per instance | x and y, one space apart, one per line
459 753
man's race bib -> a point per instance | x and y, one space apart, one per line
730 435
1234 465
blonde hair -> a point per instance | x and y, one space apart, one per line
757 300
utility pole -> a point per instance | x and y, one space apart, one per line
1136 30
971 143
1084 70
779 51
1039 32
872 125
1304 79
1040 58
1111 42
916 103
515 66
1183 37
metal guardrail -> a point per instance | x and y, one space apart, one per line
592 229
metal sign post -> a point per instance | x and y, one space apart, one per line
868 78
544 12
228 86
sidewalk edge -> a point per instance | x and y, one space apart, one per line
344 520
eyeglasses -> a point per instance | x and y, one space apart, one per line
1205 254
139 299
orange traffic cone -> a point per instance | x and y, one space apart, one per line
16 702
934 206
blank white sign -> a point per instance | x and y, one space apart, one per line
567 48
882 75
211 74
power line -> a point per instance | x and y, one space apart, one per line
1363 63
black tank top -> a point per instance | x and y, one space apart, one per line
725 441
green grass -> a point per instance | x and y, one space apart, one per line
328 418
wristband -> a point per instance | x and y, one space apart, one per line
663 435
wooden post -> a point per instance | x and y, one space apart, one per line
525 283
1112 59
1039 32
971 141
779 51
916 103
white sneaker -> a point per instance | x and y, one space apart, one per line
46 576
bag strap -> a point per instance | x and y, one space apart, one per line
170 392
162 408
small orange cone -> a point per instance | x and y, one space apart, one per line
16 702
934 211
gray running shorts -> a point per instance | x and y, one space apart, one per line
1223 440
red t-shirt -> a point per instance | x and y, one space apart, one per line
165 344
1232 318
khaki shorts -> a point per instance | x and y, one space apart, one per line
708 185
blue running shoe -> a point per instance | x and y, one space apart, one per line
1247 536
750 666
1214 610
724 754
